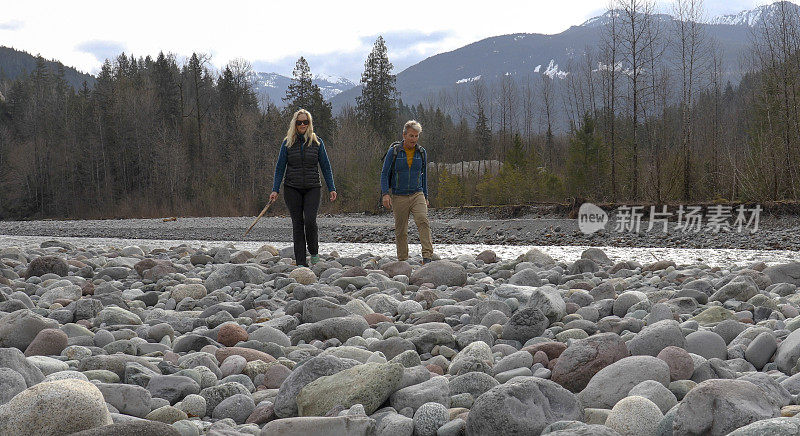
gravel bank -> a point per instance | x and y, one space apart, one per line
775 233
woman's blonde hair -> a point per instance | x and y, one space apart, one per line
291 135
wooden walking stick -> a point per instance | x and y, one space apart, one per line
263 211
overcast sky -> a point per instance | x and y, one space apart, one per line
335 37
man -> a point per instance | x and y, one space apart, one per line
405 174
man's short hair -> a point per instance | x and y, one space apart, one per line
413 124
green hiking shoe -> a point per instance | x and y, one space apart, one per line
314 259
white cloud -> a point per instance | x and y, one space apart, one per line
277 31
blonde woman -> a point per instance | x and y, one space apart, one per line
302 154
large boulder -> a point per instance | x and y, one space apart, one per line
131 400
523 405
788 351
400 267
303 374
52 408
473 356
774 391
634 415
19 328
655 337
440 272
11 383
369 385
172 388
342 329
586 357
741 288
435 390
525 324
770 427
613 382
717 407
214 395
229 273
47 265
13 359
785 273
526 277
48 342
548 300
537 257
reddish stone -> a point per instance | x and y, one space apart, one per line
48 342
171 357
572 307
375 318
436 369
87 288
275 375
159 271
434 316
541 357
84 322
154 269
144 265
76 263
426 295
585 358
681 365
261 415
231 334
248 353
64 302
552 349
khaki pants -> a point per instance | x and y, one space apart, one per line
413 204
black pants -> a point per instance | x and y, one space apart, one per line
303 205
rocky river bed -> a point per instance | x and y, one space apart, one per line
158 337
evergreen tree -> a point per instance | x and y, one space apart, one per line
165 79
299 93
483 135
583 164
303 93
377 104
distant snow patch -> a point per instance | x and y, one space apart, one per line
471 79
552 71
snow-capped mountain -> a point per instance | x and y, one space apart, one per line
603 20
529 56
753 17
273 86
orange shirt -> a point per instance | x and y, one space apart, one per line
409 155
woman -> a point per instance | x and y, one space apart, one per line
302 153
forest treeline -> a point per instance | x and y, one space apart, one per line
155 137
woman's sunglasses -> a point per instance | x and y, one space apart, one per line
301 122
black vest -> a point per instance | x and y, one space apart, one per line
302 165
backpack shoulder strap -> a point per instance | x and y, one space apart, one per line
393 148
